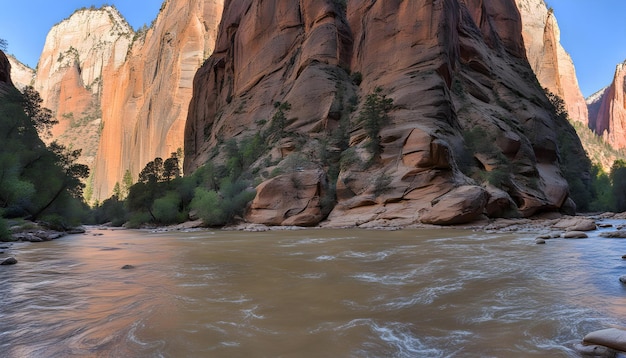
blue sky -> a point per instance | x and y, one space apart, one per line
25 23
593 32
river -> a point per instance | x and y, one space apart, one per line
308 293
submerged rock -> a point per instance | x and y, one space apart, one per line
128 267
594 350
620 234
576 224
622 279
540 241
611 337
9 261
575 235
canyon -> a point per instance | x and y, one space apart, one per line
120 95
463 70
471 67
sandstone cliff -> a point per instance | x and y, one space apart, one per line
123 96
21 74
552 65
468 132
145 99
607 110
70 69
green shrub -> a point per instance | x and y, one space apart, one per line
5 233
207 204
166 209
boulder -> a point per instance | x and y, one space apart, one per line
9 261
128 267
576 224
622 279
575 235
540 241
499 203
461 205
594 350
611 337
289 199
619 234
76 230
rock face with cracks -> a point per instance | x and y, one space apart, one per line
467 134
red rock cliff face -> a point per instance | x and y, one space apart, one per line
453 69
550 62
145 100
70 71
608 111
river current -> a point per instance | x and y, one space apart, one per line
308 293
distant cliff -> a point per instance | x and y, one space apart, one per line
119 95
552 65
70 73
468 132
607 110
145 99
21 74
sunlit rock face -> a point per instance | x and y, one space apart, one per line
449 66
70 71
552 65
607 110
21 74
146 98
123 96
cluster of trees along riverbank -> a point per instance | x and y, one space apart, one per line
44 183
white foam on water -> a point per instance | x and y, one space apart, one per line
325 258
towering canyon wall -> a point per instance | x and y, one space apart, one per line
552 65
70 72
123 96
145 99
455 70
607 110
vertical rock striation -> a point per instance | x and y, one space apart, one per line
123 96
70 70
607 110
455 70
145 99
552 65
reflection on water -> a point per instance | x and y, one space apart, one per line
312 293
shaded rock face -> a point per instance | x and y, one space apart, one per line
451 67
608 110
6 84
145 99
123 96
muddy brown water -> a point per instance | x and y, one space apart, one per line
308 293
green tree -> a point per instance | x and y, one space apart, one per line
41 117
3 44
618 179
171 167
127 182
152 172
69 179
373 115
